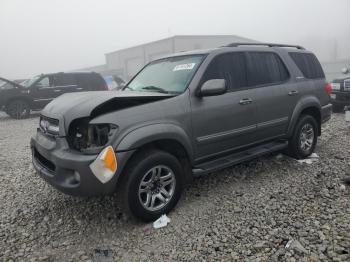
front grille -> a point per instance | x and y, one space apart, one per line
44 162
347 85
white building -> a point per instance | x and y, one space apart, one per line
129 61
125 63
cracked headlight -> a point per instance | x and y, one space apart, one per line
90 138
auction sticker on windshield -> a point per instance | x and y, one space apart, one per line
188 66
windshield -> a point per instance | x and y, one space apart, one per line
170 75
5 85
29 82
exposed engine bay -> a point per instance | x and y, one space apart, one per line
83 136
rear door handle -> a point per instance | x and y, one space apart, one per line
57 90
293 93
79 88
246 101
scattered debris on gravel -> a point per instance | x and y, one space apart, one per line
271 209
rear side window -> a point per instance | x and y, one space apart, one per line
65 80
89 81
265 68
96 82
84 81
231 67
308 65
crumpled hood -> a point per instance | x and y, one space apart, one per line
71 106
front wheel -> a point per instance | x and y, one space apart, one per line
18 109
304 139
152 184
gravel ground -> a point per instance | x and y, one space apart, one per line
247 213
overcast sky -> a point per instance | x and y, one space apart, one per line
42 36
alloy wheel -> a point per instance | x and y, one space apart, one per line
157 188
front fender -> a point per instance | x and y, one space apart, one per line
306 102
151 133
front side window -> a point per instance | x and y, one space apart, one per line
231 67
265 68
43 83
29 82
169 75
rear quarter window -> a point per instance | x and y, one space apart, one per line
308 64
96 82
91 81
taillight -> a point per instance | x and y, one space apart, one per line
328 89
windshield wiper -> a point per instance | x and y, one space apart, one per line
155 88
127 87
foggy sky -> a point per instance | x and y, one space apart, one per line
43 36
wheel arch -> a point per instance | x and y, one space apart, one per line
310 106
166 137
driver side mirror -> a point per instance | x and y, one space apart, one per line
213 87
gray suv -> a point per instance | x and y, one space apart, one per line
182 116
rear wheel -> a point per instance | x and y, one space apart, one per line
304 139
18 109
338 108
152 185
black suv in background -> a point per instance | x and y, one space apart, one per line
340 96
36 93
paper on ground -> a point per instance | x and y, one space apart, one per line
311 159
347 116
161 222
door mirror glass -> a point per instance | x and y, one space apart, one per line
213 87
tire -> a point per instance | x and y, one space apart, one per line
18 109
143 167
298 147
338 108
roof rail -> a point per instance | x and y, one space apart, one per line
264 44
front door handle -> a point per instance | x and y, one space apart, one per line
57 90
246 101
79 88
293 93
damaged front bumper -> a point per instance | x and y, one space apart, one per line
68 170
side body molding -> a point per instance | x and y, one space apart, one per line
306 102
151 133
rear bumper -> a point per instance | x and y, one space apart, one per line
326 113
60 167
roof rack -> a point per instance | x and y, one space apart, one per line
264 44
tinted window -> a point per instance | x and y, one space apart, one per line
65 80
231 67
308 65
95 81
84 81
265 68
